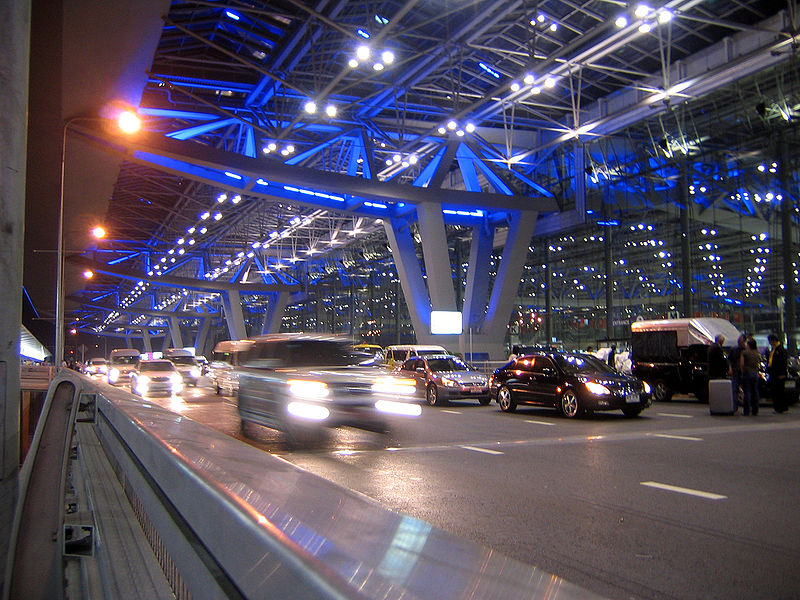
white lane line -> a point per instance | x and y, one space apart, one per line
484 450
538 422
675 415
452 412
683 490
677 437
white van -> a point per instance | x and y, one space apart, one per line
223 364
397 355
121 363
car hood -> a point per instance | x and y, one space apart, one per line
611 379
465 377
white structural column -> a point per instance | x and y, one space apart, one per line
506 283
232 305
148 346
410 274
476 292
175 332
202 335
275 308
436 256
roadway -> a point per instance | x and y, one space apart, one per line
673 504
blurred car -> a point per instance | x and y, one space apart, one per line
156 377
444 377
574 383
225 360
188 367
373 350
96 368
122 363
302 384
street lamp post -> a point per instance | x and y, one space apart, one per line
128 122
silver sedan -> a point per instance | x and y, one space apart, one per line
444 377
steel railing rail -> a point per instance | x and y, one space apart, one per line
226 520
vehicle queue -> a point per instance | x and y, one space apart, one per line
304 383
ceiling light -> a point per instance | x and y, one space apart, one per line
442 130
363 52
553 26
310 107
665 16
528 79
330 110
642 10
550 82
387 57
451 125
622 21
377 66
536 90
352 63
514 87
470 127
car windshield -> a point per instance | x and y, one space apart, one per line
581 363
183 360
446 364
125 360
97 361
303 353
157 366
424 352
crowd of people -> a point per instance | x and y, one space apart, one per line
742 363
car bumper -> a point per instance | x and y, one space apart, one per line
464 392
617 402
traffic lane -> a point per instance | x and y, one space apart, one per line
576 507
545 506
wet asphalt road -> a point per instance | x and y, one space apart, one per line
673 504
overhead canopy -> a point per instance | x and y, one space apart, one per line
30 347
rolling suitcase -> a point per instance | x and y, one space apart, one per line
721 399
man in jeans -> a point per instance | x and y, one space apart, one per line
777 369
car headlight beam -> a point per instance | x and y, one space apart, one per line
306 388
597 389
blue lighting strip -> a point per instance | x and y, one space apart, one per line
489 70
290 188
463 213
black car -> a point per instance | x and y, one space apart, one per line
572 382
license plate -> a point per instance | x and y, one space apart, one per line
632 398
475 390
790 384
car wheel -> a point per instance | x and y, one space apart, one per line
484 400
661 391
432 395
505 400
632 411
569 405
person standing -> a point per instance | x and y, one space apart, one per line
777 368
718 367
749 361
734 357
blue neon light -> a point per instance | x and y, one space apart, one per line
290 188
489 70
233 175
375 205
232 15
260 181
363 33
611 223
463 213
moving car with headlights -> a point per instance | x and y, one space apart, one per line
444 377
188 367
156 377
397 355
121 363
224 361
572 382
96 368
302 384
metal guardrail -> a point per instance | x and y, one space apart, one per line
226 520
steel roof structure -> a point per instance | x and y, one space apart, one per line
658 144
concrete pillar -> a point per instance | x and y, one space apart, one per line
202 335
437 257
175 332
234 319
147 346
409 273
788 248
15 23
275 308
476 294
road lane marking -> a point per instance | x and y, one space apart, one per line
538 422
484 450
677 437
683 490
452 412
675 415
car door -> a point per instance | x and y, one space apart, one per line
409 369
544 381
518 379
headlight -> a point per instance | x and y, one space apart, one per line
398 408
304 388
306 410
113 375
447 382
596 388
194 372
142 384
103 368
175 378
646 387
395 386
